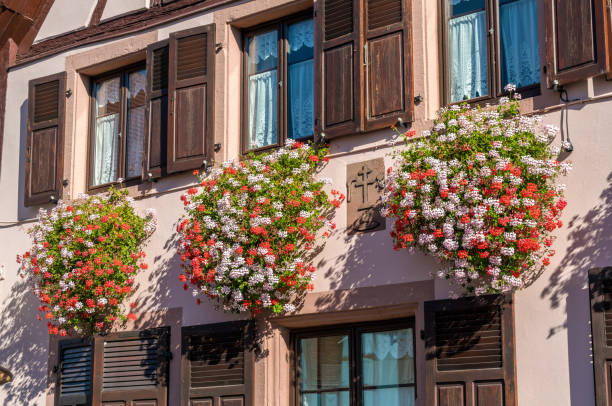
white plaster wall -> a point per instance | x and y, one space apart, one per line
117 8
66 16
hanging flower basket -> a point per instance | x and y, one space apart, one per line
478 192
251 228
83 261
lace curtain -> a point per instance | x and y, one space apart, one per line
105 149
468 56
519 43
135 124
388 359
262 109
106 139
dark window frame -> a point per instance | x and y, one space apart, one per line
353 331
281 25
494 80
123 73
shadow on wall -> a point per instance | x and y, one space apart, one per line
23 346
369 260
589 245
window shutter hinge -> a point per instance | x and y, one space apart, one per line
171 110
365 54
491 31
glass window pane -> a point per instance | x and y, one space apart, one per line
393 396
106 137
324 365
467 49
340 398
300 70
520 51
387 361
262 61
135 124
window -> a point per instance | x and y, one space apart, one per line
474 68
276 55
118 127
367 365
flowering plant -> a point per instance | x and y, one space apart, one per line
249 230
478 192
83 260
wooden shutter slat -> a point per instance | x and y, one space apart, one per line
468 341
217 364
157 110
45 140
191 93
132 368
75 373
337 59
600 281
389 87
577 40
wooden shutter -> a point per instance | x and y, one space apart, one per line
469 346
217 365
600 288
388 63
157 110
131 369
45 140
191 92
577 42
74 373
338 60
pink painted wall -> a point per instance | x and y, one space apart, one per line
552 316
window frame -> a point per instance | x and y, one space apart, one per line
123 74
353 331
281 25
494 80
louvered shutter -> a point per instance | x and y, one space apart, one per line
469 346
45 140
600 288
157 110
388 68
191 92
577 42
74 373
217 365
338 78
131 369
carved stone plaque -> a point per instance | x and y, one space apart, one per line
364 182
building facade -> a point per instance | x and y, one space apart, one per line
148 90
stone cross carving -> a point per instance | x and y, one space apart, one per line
364 184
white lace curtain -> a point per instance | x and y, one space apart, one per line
106 142
519 42
301 81
468 56
262 109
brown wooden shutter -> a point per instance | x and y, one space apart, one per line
469 357
45 140
218 364
191 92
388 68
74 373
338 61
600 288
131 369
577 42
157 110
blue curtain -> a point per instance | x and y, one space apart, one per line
301 79
520 50
468 56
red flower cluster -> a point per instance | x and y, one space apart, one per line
251 227
83 262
